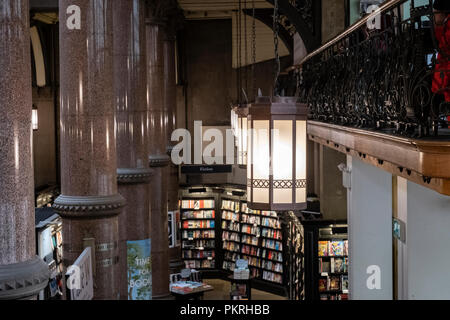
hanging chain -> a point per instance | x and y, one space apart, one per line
254 48
245 47
240 52
237 57
277 55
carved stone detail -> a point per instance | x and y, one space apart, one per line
89 206
23 280
134 175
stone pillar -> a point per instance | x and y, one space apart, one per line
170 96
133 173
369 231
90 203
158 158
22 273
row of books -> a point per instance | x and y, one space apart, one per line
198 224
272 266
271 233
202 254
199 244
203 214
205 234
230 225
340 296
250 230
272 277
231 236
333 265
250 219
231 256
271 222
251 250
231 246
272 255
247 239
230 205
272 244
197 204
199 264
334 283
333 248
252 261
228 215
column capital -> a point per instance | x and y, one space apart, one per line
23 280
134 175
89 206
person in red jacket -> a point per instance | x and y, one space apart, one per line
441 78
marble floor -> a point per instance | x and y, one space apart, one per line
222 292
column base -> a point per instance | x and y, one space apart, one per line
23 280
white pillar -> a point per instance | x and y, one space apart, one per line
425 259
370 231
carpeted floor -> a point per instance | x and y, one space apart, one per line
222 292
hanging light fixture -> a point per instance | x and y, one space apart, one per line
276 170
34 118
242 114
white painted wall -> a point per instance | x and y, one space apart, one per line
370 230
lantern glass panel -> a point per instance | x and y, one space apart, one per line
301 162
261 160
244 141
249 142
282 161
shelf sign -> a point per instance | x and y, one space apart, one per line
139 270
399 230
79 278
242 264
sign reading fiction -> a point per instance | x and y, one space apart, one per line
79 279
139 270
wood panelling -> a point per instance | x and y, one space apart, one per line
424 162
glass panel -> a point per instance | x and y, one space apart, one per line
282 161
244 141
301 162
261 160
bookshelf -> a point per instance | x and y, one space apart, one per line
231 236
326 275
255 236
198 231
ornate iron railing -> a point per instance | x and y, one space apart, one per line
378 74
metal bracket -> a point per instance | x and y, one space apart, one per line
346 176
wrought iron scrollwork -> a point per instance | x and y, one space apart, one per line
377 78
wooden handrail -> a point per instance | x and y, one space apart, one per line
358 24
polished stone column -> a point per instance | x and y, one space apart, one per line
176 264
159 160
90 203
22 273
133 173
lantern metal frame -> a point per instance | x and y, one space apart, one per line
272 109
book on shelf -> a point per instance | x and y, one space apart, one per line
323 248
344 283
335 248
335 283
